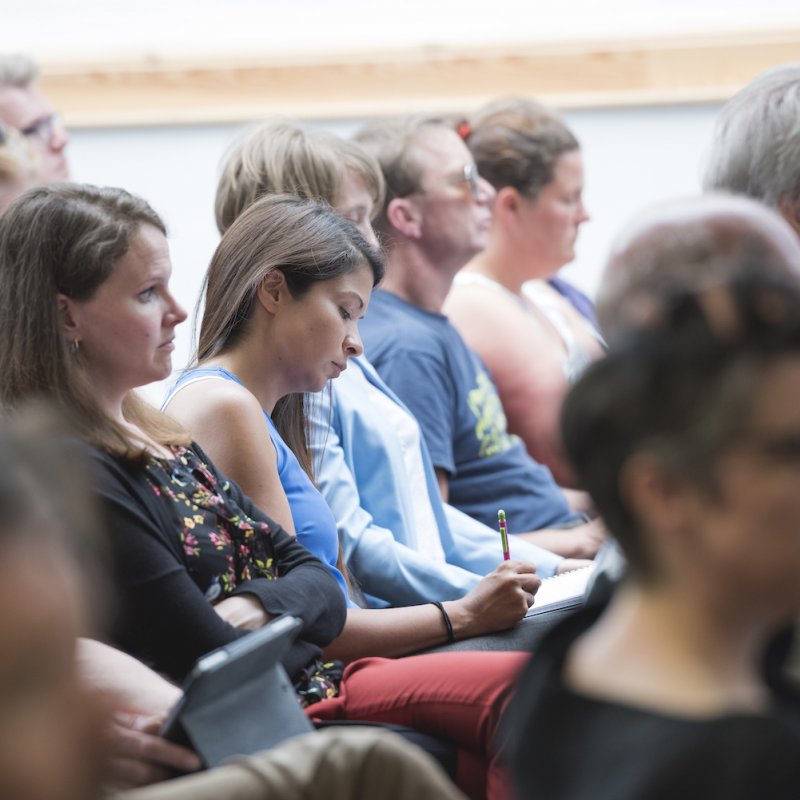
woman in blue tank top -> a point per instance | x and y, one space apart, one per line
283 296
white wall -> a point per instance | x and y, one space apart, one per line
633 157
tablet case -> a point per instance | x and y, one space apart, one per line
238 699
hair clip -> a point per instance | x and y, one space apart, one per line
464 129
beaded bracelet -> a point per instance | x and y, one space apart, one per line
448 624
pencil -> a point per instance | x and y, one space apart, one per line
501 521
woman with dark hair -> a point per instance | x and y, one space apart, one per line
277 324
544 329
402 544
196 563
687 437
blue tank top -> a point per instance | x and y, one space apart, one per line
314 522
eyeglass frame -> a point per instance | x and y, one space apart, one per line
472 178
44 128
469 175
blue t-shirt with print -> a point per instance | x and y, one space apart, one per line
446 386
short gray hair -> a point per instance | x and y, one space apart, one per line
17 70
756 146
392 142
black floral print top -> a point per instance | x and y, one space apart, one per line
222 545
182 537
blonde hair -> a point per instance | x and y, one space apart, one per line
283 157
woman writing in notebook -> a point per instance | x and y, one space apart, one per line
401 543
196 563
277 324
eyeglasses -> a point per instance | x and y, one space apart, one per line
44 128
472 178
468 175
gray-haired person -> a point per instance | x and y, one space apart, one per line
756 146
23 107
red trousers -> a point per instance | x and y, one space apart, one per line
459 697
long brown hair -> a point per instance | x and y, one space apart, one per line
285 157
68 239
309 243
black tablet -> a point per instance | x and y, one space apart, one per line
238 699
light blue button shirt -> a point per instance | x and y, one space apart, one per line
361 473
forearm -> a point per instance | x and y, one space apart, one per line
136 687
391 632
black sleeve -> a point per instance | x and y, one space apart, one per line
306 588
163 617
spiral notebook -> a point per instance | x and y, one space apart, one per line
562 591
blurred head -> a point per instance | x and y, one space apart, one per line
283 157
687 437
755 150
23 107
50 729
534 163
84 302
689 243
308 269
435 198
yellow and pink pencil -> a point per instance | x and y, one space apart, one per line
501 521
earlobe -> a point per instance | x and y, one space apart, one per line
69 320
404 217
507 200
272 291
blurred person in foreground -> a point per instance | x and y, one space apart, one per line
686 438
58 737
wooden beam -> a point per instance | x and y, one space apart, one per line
566 75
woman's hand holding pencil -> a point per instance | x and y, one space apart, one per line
498 602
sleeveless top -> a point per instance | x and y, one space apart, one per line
314 522
576 359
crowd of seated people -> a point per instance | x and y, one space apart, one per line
355 485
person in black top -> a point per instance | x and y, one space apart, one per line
87 317
687 437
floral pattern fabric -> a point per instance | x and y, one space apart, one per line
224 547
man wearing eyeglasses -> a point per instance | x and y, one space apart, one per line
23 107
436 216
